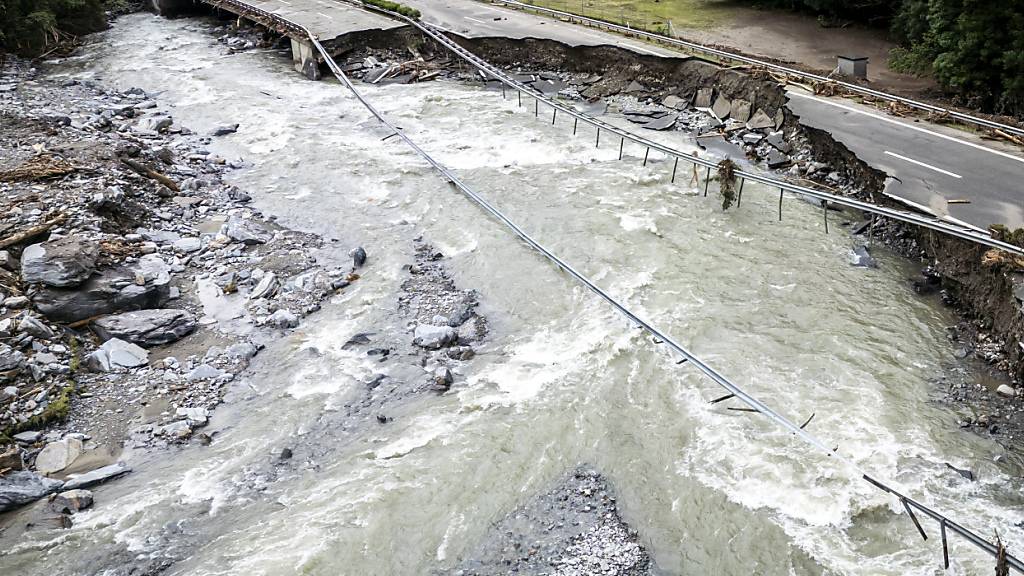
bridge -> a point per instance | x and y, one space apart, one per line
328 20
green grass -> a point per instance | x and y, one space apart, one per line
56 411
395 7
648 14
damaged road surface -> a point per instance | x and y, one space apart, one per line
363 374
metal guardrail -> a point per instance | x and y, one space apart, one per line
962 232
659 337
693 46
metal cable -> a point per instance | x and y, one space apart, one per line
661 338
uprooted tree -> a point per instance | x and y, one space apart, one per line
727 182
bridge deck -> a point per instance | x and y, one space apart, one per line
328 19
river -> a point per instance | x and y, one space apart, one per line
561 380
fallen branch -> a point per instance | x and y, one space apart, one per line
85 321
32 231
38 168
143 170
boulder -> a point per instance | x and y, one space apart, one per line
33 327
107 292
28 437
204 372
22 487
10 459
195 417
283 319
97 476
760 121
778 141
721 108
247 231
673 101
703 99
98 361
663 123
860 257
241 351
11 362
57 456
124 354
61 263
224 130
71 501
155 123
146 327
358 257
740 110
1007 391
188 244
434 337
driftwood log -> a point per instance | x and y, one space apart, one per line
148 172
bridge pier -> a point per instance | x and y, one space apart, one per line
305 60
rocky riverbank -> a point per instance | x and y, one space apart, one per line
574 529
134 283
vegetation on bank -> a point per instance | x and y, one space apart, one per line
974 48
31 27
395 7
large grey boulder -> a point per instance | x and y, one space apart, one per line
20 488
11 362
124 354
71 501
97 476
106 292
57 456
760 120
146 327
740 110
33 327
704 98
247 231
62 263
434 337
721 107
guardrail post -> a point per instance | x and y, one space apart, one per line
575 123
780 204
554 111
674 166
707 181
597 143
536 108
621 142
824 207
739 197
520 93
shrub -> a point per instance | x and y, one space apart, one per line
395 7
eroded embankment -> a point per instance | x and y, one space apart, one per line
983 293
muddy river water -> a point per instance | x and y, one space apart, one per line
562 378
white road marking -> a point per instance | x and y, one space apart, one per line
639 49
919 163
475 20
910 126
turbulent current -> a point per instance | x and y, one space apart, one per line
562 379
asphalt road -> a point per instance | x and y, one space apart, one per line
930 165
